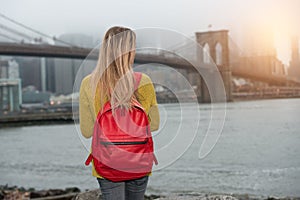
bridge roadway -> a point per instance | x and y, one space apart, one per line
45 50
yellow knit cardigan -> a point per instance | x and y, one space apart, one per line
89 107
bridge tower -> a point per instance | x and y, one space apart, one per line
215 47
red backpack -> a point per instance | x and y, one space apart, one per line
122 145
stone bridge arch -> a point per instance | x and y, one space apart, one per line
217 43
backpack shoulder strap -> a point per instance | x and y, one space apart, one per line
106 107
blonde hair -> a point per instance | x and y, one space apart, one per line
113 76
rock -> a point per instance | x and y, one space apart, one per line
242 196
89 195
152 197
38 194
69 196
96 194
14 192
55 192
31 190
1 195
72 190
199 197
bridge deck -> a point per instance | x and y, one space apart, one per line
45 50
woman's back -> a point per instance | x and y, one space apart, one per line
113 80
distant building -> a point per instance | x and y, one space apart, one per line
3 69
55 75
294 68
10 86
265 65
13 70
30 71
65 70
31 96
258 56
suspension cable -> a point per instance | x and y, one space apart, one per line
35 31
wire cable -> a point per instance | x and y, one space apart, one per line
10 38
35 31
16 32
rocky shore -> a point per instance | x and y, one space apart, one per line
15 193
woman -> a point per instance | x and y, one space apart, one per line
113 80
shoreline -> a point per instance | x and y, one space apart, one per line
74 193
62 117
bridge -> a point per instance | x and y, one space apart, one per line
46 50
214 42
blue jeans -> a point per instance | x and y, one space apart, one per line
126 190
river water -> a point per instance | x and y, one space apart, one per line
257 152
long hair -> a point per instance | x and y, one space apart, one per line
113 79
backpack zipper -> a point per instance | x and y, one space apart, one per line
124 143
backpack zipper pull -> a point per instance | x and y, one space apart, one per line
108 149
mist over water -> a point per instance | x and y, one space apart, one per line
257 153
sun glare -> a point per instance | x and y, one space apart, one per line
270 30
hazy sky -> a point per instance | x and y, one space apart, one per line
244 19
